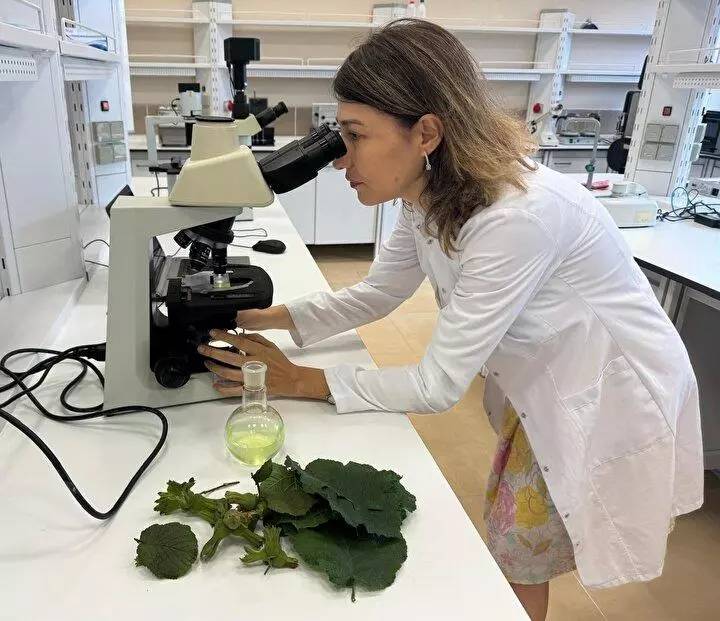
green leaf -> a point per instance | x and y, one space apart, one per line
167 550
318 515
361 494
264 472
282 491
271 552
350 560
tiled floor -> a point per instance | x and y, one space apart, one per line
462 443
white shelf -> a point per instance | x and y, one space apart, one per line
82 69
268 70
166 69
614 32
291 25
81 50
687 68
692 75
165 21
13 36
291 71
599 76
514 75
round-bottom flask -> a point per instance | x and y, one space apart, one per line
255 431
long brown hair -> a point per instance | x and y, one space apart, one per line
412 67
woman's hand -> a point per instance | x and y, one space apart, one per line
273 318
284 379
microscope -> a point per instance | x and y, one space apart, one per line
160 307
239 51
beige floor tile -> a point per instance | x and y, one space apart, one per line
474 505
570 602
400 359
417 328
382 337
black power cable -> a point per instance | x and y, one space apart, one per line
82 354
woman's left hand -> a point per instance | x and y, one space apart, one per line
284 379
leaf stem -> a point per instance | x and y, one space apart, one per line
267 569
352 597
214 489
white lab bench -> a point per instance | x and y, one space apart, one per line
57 563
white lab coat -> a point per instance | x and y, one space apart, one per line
545 292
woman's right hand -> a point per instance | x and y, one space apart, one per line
273 318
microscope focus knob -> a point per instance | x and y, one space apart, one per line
172 372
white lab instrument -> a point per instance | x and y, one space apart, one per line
547 122
629 205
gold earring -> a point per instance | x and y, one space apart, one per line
428 167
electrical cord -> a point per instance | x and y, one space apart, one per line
157 187
82 354
97 263
678 213
263 234
96 240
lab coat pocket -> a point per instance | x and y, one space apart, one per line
616 415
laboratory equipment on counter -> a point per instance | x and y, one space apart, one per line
151 357
705 186
325 113
544 124
629 205
243 125
255 431
618 151
580 130
190 99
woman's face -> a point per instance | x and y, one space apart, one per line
384 159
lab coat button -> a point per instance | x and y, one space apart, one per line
523 415
566 516
546 469
496 374
429 241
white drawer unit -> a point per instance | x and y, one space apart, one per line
569 161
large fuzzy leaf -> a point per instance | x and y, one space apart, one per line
167 550
361 494
281 490
349 559
318 515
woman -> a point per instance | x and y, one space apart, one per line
599 442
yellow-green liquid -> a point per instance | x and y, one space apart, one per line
253 437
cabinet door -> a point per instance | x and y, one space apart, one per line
570 161
340 218
697 324
299 204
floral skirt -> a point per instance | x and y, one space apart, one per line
526 535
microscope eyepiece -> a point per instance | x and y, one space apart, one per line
299 162
268 115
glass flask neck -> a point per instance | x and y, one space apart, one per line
254 398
